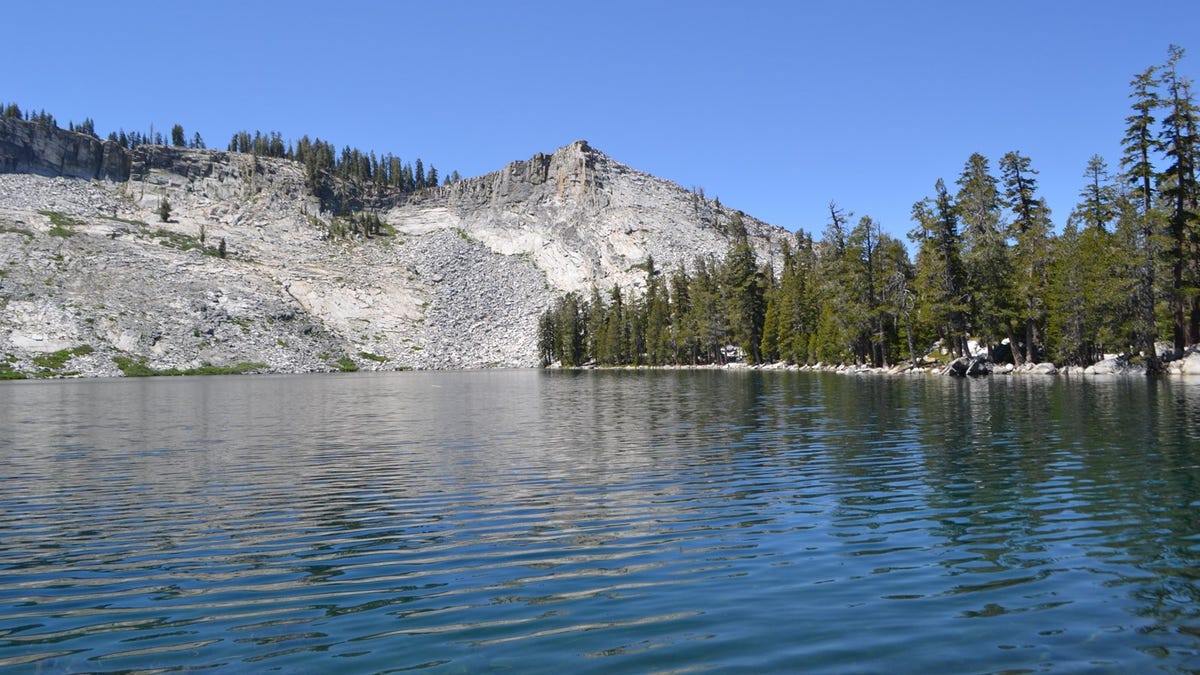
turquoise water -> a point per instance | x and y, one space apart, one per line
605 521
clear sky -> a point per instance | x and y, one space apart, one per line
775 107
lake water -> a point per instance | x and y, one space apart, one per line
605 522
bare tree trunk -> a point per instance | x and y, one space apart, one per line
1016 351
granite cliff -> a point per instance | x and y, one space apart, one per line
92 282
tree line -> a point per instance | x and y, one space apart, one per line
1123 272
351 164
320 158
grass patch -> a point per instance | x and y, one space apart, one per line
131 367
8 373
61 223
56 360
345 364
135 367
235 369
175 240
184 242
140 224
16 230
373 357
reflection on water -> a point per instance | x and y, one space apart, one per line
598 521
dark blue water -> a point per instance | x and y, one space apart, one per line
611 521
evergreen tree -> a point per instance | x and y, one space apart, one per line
865 308
177 137
1138 145
1031 255
684 344
657 318
1178 188
707 319
940 280
743 292
1097 208
987 259
834 331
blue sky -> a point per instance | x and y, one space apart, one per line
775 107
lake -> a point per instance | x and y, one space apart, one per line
537 521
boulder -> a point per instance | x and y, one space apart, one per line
1037 369
1112 366
968 366
1190 363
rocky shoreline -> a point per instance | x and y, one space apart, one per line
1186 365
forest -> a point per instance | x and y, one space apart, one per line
1121 275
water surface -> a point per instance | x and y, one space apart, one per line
604 521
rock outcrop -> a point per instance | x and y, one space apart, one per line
27 147
583 218
91 279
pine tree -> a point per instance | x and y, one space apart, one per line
987 259
1178 188
834 328
940 280
743 292
1138 145
1097 208
682 336
1030 228
707 317
862 265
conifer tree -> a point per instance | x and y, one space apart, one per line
940 277
1138 145
1030 228
682 336
1178 188
987 259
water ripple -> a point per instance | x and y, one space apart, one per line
550 522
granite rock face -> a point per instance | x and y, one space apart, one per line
460 283
583 218
26 147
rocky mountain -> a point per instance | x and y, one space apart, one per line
93 282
